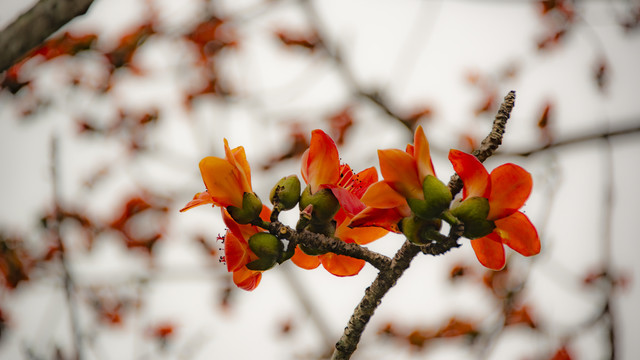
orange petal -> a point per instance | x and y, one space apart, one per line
422 154
200 198
341 265
247 279
510 188
238 159
358 235
518 233
236 252
382 195
305 261
384 218
472 173
489 251
321 165
222 180
399 170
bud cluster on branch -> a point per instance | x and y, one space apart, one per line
341 210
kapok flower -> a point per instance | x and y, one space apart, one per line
404 173
237 253
227 181
506 189
321 169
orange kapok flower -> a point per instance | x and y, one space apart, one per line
506 189
237 253
226 179
403 173
321 169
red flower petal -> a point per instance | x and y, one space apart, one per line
518 233
510 188
246 279
382 195
222 180
341 265
358 235
489 251
238 159
200 198
349 201
305 261
422 154
321 163
399 171
472 173
384 218
236 252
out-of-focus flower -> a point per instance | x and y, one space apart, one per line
506 189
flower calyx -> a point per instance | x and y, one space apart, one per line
420 231
473 213
437 198
250 211
324 204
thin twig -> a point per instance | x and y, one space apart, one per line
69 283
387 278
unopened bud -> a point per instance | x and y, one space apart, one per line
473 213
325 204
251 208
286 193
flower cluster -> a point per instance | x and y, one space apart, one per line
357 208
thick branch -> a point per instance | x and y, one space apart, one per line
386 279
490 143
34 26
328 244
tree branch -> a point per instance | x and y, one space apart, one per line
387 278
34 26
328 244
576 140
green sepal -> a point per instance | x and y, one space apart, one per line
325 204
473 213
264 244
287 254
436 195
286 193
418 230
261 264
251 209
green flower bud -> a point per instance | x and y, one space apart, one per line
325 205
473 213
251 209
286 193
417 230
268 248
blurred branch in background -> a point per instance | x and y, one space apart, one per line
34 26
